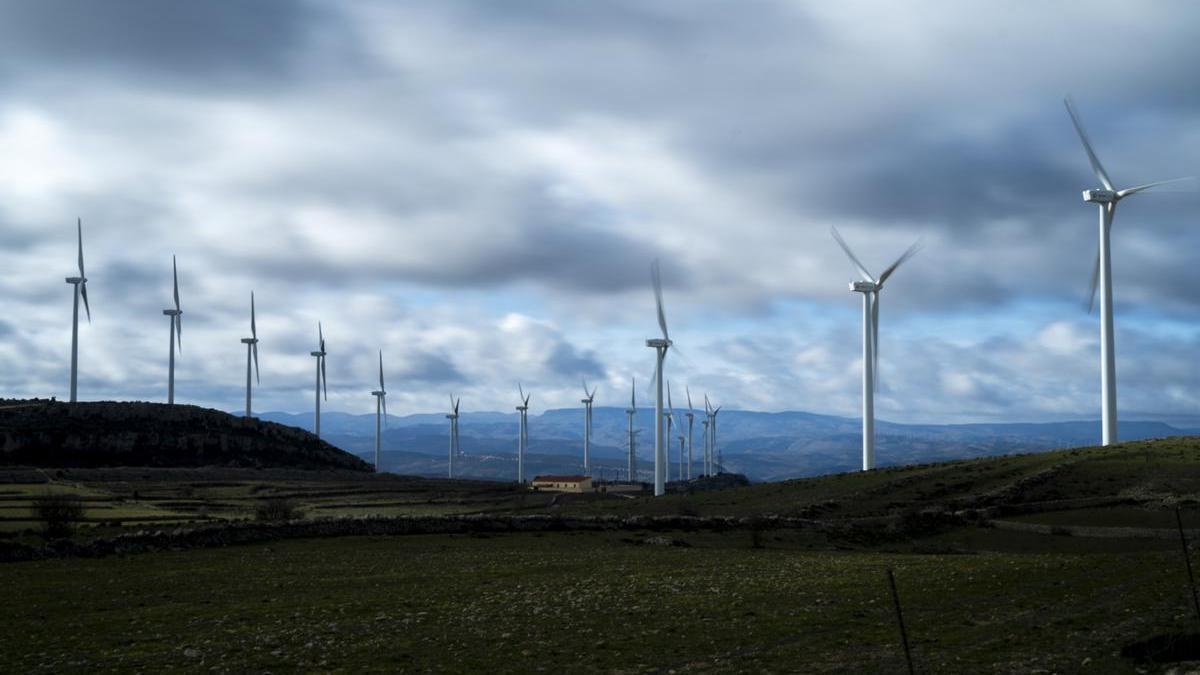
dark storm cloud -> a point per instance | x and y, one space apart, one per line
568 362
430 368
170 42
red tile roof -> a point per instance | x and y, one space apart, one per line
560 479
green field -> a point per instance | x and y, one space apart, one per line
979 594
581 602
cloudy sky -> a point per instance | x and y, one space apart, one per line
478 189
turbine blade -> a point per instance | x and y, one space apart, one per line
1095 282
850 254
381 387
912 250
86 307
669 395
689 398
79 230
633 393
451 403
324 379
656 279
254 349
521 391
253 328
383 402
585 389
456 402
1087 144
175 274
320 338
178 318
1134 190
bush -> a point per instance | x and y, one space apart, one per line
276 508
58 514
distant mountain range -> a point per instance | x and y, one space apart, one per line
764 446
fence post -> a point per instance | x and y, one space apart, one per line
900 619
1188 562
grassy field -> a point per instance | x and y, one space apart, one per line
978 597
584 603
135 498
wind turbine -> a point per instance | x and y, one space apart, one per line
707 463
80 284
251 349
1106 199
523 434
870 287
631 411
587 425
176 335
714 452
690 414
660 346
670 415
322 382
380 405
453 417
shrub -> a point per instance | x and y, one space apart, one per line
276 508
58 514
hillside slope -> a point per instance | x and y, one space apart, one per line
1104 482
94 434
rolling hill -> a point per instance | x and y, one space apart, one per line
95 434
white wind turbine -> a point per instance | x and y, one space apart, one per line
80 284
176 335
669 414
690 414
380 412
1106 199
587 426
453 417
870 287
251 350
660 346
322 382
631 411
714 456
523 434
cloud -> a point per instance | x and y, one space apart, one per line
479 189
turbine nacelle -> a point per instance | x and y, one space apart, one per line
316 353
249 341
658 343
863 287
76 280
1099 196
172 312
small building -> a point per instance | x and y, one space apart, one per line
563 483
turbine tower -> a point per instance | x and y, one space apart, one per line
670 420
660 346
870 287
380 407
80 284
322 382
587 426
631 411
1106 199
690 414
176 335
453 417
522 434
251 350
